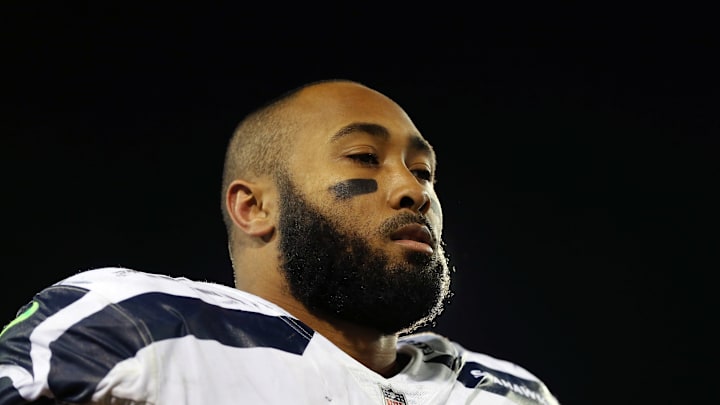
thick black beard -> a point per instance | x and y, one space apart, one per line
336 274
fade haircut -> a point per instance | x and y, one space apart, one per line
259 144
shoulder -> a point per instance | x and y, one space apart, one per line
116 325
122 282
145 306
439 343
119 284
484 371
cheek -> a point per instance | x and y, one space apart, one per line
353 187
436 213
435 206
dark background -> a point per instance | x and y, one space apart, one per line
577 161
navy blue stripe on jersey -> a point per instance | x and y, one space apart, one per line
10 395
94 345
520 390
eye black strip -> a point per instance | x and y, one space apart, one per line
353 187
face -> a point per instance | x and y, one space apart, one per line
360 224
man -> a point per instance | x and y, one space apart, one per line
334 232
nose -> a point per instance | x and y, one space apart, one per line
410 193
420 204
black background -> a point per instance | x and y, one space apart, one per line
577 161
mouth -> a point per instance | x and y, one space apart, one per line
414 236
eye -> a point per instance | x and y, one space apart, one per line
367 159
423 174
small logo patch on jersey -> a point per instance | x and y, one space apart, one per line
391 397
25 315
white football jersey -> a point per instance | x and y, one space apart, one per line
119 336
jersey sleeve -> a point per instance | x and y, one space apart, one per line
61 346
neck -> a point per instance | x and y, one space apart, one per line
374 350
371 348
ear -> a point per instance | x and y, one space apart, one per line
247 209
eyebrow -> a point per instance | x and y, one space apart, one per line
416 141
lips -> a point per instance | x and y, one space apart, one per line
414 234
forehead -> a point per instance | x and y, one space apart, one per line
330 113
413 140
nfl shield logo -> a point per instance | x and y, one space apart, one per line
392 397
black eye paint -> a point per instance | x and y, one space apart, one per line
353 187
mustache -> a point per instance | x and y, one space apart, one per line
393 224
